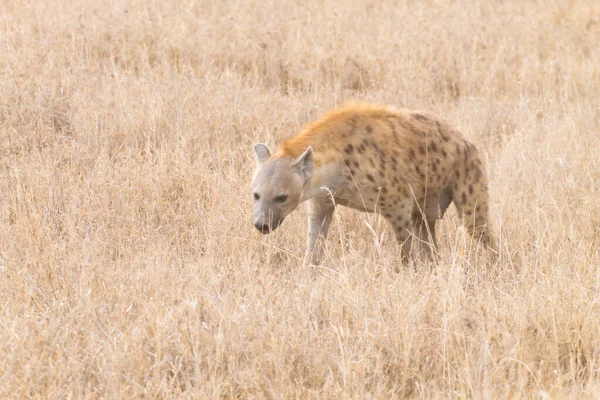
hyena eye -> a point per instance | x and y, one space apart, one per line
256 196
281 198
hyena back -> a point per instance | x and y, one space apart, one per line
406 165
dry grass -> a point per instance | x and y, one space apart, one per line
128 263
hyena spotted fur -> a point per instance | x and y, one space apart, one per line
406 165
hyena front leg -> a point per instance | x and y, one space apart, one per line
320 214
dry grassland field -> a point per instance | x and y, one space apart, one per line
129 265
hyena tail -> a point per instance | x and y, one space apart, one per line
470 195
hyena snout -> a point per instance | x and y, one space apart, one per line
262 228
266 225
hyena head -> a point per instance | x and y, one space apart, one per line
277 186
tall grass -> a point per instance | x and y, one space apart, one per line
128 262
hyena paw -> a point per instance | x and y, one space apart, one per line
314 257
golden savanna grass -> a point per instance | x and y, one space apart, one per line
129 266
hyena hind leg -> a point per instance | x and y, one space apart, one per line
403 232
479 226
471 199
399 216
424 219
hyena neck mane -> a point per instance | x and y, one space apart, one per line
293 148
326 134
319 135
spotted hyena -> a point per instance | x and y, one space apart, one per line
406 165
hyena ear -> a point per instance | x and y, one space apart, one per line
261 153
305 163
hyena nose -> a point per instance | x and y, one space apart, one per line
263 228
